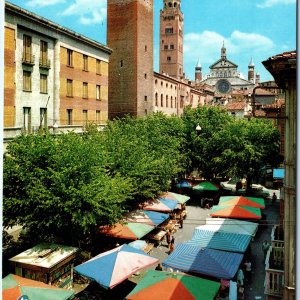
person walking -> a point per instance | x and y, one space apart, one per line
274 198
172 245
248 270
168 237
265 247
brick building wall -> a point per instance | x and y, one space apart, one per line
93 102
130 35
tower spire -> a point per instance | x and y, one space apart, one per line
223 51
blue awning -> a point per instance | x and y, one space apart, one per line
278 173
211 262
220 240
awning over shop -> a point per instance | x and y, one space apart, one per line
211 262
220 240
231 225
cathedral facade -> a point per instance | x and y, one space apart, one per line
225 77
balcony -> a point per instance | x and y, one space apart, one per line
45 63
28 59
274 280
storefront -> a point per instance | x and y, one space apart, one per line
49 263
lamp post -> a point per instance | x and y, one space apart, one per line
198 128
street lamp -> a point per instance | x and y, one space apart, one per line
198 128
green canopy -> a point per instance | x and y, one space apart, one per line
206 186
173 286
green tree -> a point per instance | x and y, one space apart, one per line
58 186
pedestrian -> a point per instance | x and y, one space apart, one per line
181 222
172 245
240 278
274 198
265 247
159 267
248 270
168 237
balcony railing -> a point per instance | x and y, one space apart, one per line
274 282
28 59
45 63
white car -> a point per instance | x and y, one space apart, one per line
258 189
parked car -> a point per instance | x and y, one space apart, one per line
257 189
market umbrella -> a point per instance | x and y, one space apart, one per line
147 217
242 201
183 184
206 186
236 212
173 286
112 267
14 286
138 244
160 204
175 196
129 230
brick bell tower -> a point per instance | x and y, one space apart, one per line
130 36
171 39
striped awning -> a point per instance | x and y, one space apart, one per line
211 262
220 240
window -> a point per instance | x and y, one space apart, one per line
145 75
168 30
171 101
97 116
27 119
167 101
69 58
85 63
27 81
98 67
85 90
121 63
85 116
43 117
98 90
161 100
169 58
69 88
145 98
172 46
27 42
69 116
43 83
146 48
156 99
166 47
43 53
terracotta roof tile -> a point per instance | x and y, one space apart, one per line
235 106
285 55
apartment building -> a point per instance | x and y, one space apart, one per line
53 76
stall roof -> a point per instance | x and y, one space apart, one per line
231 225
44 255
211 262
220 240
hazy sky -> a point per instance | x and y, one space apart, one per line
249 28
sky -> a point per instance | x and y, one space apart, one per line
256 29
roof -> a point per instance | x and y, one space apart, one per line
232 225
215 263
44 255
235 106
220 240
285 55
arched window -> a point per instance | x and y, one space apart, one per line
171 101
156 99
161 100
167 101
